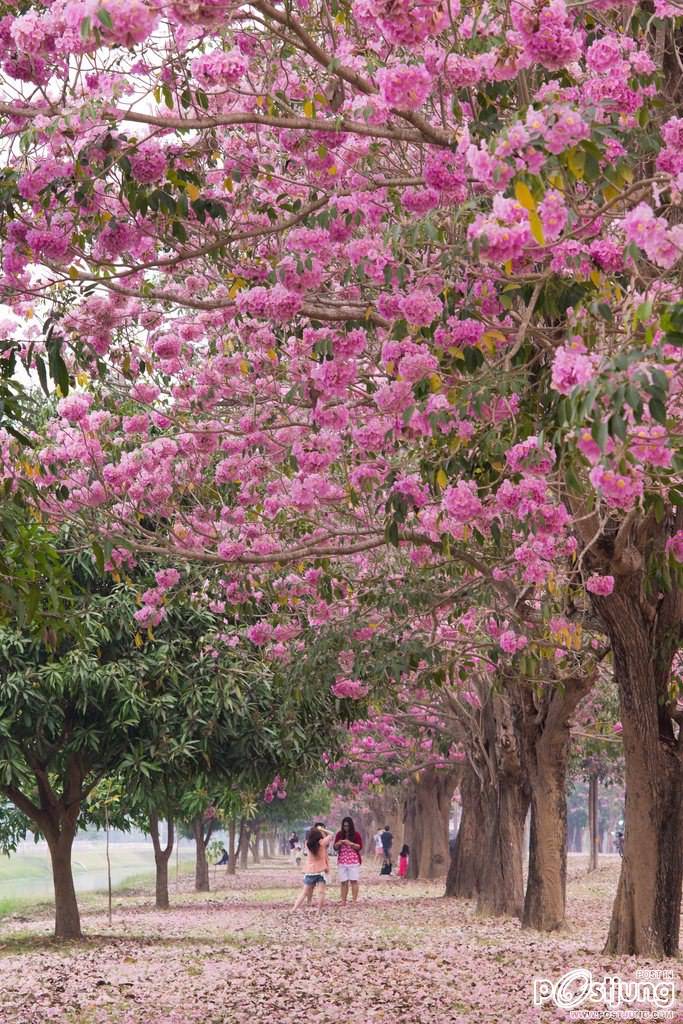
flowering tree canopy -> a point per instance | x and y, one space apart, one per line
337 291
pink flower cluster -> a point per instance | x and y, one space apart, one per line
675 546
662 244
148 164
572 367
275 790
511 642
602 585
553 213
546 32
620 490
74 407
405 22
219 68
529 457
352 689
405 86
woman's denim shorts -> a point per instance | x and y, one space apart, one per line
314 879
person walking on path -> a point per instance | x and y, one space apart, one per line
387 842
317 864
379 851
348 844
403 861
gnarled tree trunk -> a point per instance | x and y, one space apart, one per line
546 728
162 856
643 617
427 811
501 889
499 761
466 864
646 912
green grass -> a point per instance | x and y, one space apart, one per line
26 877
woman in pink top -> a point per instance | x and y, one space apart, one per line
348 844
317 863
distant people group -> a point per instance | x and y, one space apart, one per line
347 844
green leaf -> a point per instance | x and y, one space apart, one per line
42 374
657 410
105 17
617 426
99 556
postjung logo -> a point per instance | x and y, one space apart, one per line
578 988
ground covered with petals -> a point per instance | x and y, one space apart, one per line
403 955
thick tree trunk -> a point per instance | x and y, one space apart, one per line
546 730
201 874
499 760
56 815
232 850
501 883
644 628
67 916
466 864
162 856
427 813
593 822
544 903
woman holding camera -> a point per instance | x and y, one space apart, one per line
348 844
317 864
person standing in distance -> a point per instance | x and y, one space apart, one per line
348 844
387 838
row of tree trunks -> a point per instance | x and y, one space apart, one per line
519 763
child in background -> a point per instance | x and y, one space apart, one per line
403 861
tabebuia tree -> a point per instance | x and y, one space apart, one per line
326 280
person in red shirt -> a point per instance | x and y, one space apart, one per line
348 844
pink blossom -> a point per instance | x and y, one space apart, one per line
572 367
404 85
260 633
148 164
74 408
602 585
512 642
353 689
420 307
675 546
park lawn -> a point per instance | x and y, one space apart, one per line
403 955
26 879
